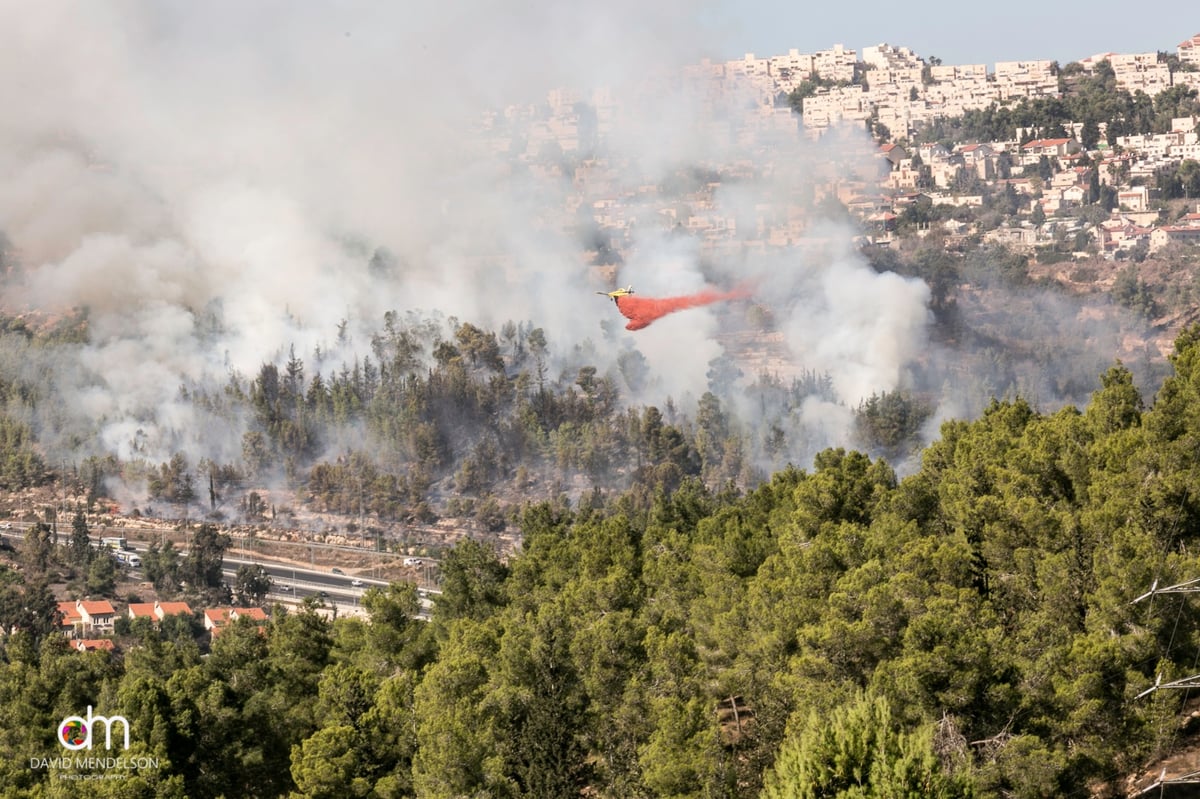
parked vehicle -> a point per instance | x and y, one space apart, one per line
129 558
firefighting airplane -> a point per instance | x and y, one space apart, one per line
625 292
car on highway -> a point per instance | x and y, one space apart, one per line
129 558
357 583
413 561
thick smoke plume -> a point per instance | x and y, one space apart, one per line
209 183
216 185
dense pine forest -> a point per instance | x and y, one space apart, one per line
835 631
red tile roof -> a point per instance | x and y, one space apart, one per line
174 608
141 610
98 607
92 644
219 616
1045 143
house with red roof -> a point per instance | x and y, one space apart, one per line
72 619
1173 234
95 644
97 614
142 610
894 154
157 611
217 619
1032 151
164 609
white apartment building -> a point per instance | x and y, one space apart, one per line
886 57
1025 79
1190 79
848 103
1140 72
792 69
837 63
750 66
953 72
1189 50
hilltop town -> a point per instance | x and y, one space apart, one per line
1139 167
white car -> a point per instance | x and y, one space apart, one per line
357 583
412 561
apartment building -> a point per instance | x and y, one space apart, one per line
1025 79
836 64
949 73
1189 50
832 106
1173 234
885 57
790 70
1140 72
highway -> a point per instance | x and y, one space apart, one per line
289 583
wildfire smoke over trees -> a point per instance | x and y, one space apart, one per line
965 630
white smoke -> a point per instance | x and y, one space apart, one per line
208 182
860 327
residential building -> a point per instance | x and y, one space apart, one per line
1025 79
217 619
157 611
792 69
72 619
1134 198
95 644
141 610
164 609
1173 234
1189 50
837 63
1140 72
96 615
1032 152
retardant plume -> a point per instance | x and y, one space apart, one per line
641 311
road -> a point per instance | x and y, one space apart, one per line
290 584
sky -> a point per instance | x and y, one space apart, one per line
957 33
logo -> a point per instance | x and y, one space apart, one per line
75 732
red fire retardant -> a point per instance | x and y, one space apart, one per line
641 311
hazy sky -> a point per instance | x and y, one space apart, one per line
959 32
